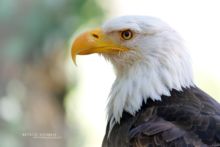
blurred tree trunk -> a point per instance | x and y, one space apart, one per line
46 88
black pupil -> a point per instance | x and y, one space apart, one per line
126 33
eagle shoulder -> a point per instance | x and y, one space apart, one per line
187 118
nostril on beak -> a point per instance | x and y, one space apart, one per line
95 36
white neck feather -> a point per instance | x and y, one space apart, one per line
150 79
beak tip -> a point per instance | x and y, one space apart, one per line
73 54
74 60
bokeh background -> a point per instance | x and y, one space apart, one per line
45 100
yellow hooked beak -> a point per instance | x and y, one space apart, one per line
94 41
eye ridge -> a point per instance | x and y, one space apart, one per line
126 35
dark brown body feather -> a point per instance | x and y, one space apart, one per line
188 118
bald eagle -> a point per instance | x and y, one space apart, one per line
153 101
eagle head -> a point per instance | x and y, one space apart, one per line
149 58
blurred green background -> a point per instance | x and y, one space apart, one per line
34 37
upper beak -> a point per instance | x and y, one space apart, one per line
94 41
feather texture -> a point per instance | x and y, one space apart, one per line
188 118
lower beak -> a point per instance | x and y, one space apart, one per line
94 41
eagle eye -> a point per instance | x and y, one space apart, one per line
126 35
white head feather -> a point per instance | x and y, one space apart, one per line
156 63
